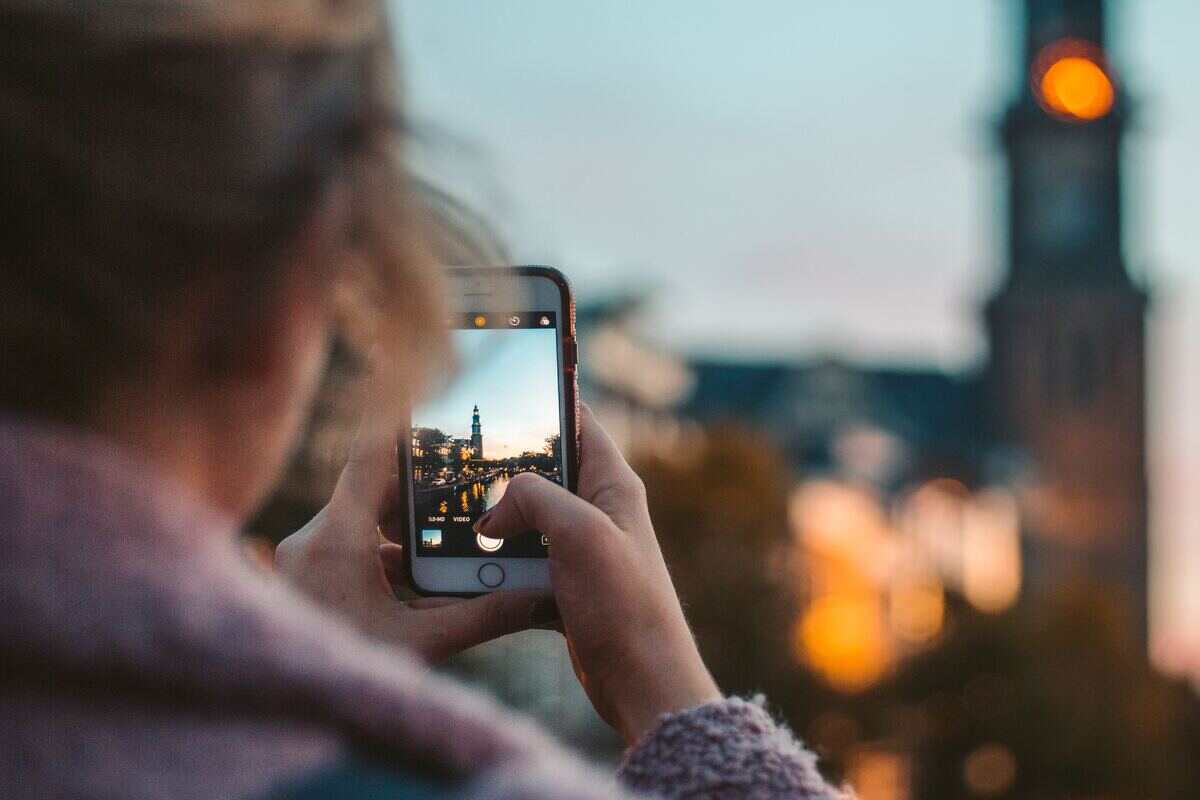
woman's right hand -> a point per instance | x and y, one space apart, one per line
629 642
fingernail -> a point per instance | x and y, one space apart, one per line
543 612
482 521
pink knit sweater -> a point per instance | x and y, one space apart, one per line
144 658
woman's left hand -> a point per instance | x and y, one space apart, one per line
341 559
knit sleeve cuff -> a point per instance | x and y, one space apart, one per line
729 750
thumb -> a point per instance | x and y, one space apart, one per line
533 503
369 470
371 465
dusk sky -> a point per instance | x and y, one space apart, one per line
799 178
513 376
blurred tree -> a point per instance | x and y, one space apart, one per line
1048 701
719 505
429 437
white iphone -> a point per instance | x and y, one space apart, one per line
510 408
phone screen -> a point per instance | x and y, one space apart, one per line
501 415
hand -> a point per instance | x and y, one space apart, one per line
629 642
339 558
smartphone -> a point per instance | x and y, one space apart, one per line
511 407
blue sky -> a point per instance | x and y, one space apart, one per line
793 178
513 377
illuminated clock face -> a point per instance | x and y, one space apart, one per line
1070 80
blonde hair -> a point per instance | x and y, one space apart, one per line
151 145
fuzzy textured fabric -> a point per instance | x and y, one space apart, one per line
726 751
145 658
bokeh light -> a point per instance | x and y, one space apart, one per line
1069 80
844 639
918 609
992 551
879 774
989 770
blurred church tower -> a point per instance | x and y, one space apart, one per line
1067 328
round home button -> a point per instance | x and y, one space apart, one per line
491 575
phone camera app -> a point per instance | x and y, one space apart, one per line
499 418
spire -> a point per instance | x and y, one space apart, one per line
1049 20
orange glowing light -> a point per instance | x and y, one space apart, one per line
1077 87
843 638
880 775
480 320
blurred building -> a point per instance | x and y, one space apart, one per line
635 387
1029 472
1067 377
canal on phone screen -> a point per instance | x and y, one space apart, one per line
471 497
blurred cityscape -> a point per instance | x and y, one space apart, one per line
938 577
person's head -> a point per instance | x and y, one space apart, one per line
190 190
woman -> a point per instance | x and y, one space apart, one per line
189 188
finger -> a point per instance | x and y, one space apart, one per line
371 464
369 469
606 479
533 503
394 565
599 452
459 625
